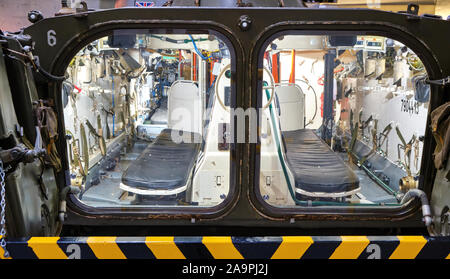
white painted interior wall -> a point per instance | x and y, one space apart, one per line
309 64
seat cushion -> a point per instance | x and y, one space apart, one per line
316 168
160 115
164 164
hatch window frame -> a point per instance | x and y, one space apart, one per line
327 212
100 30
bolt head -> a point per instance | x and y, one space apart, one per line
244 23
34 16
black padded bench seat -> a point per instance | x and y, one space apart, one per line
316 168
164 164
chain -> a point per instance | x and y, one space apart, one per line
3 210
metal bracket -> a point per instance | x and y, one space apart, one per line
35 16
412 12
84 7
442 82
413 9
21 154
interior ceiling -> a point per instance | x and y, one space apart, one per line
438 7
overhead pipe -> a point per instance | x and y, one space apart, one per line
292 76
275 67
194 66
211 73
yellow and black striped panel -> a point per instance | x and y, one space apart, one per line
226 247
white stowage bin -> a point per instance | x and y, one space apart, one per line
185 110
84 71
273 181
211 182
292 106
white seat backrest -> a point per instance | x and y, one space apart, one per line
185 107
292 105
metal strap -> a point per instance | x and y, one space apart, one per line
98 135
384 134
407 147
91 128
416 153
85 149
374 143
102 142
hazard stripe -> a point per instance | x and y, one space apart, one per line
164 247
105 248
293 247
76 248
409 247
192 247
351 247
19 249
322 247
46 248
221 247
2 253
257 247
380 247
436 247
134 248
288 247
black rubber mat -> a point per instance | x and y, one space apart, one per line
164 164
315 166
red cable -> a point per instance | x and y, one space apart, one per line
275 69
77 88
320 80
194 66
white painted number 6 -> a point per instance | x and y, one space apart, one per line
51 39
